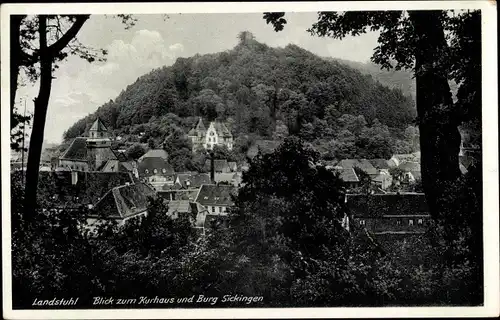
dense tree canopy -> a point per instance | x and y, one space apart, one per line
257 87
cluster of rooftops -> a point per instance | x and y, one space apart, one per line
120 189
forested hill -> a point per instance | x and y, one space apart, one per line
252 86
400 79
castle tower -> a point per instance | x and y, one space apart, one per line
98 146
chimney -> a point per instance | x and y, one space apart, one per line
212 168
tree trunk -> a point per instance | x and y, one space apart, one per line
39 117
439 135
15 49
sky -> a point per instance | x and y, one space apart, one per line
79 87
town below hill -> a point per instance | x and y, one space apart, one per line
263 94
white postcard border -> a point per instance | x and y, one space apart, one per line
490 160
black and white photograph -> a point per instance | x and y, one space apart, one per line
264 157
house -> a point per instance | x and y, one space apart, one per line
216 198
176 207
89 153
204 221
411 157
122 203
348 176
220 166
116 165
382 164
154 168
197 135
383 180
231 178
411 171
191 180
362 164
155 153
383 214
217 133
73 189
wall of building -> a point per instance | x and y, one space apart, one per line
74 165
217 210
395 224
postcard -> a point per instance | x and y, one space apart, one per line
249 160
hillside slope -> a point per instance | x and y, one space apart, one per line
252 86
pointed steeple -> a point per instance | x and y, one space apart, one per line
98 130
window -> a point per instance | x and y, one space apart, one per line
410 222
213 209
398 222
420 221
100 133
206 198
361 222
212 133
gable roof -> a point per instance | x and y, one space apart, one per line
377 205
219 165
380 163
347 175
180 206
213 195
363 164
230 177
198 129
125 201
409 166
150 164
115 165
195 180
77 150
221 129
88 189
98 126
155 153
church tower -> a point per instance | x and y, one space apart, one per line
98 146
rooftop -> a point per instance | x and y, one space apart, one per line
377 205
347 175
98 126
125 201
88 187
192 180
150 164
214 195
219 165
155 153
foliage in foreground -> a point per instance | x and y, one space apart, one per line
284 242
